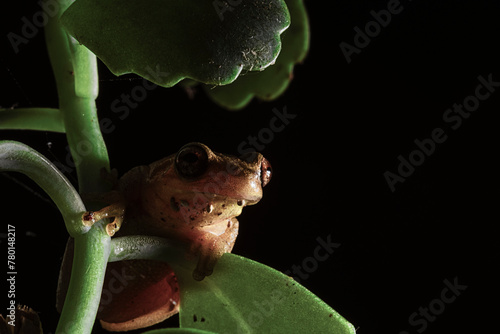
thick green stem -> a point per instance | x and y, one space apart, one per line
137 247
142 247
42 119
17 157
75 71
85 287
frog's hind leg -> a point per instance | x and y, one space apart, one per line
115 211
135 294
138 294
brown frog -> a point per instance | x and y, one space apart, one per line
194 197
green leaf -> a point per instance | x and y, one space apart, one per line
166 41
269 84
243 296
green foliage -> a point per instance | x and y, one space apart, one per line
167 41
241 296
269 84
244 296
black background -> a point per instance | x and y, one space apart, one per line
352 122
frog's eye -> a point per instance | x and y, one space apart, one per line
191 161
266 171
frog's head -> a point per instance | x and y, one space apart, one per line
204 187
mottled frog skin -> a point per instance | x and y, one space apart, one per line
193 197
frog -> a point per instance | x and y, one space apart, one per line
192 197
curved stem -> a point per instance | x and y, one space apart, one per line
137 247
92 245
20 158
42 119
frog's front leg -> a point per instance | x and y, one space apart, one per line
212 247
116 211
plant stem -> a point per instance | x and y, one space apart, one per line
92 245
43 119
75 71
20 158
91 254
136 247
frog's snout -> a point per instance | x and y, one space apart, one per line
266 171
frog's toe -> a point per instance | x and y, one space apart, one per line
204 267
198 275
114 226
